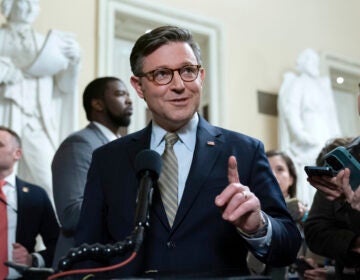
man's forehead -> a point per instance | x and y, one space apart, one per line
4 135
177 53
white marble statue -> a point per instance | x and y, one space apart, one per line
38 97
307 117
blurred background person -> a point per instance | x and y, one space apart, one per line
25 212
108 107
285 173
333 227
353 197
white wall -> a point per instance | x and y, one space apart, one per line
262 40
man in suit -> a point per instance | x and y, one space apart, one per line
26 211
223 209
108 107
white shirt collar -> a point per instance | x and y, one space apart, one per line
11 180
187 134
107 132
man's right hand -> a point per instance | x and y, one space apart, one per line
21 255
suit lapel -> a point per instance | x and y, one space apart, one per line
141 141
207 150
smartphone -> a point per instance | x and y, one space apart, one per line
320 171
339 158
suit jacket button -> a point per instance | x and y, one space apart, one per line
170 244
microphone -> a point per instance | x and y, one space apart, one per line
147 167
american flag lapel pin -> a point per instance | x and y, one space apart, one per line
210 143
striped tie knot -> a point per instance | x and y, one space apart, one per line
170 139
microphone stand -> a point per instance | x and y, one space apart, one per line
100 252
148 165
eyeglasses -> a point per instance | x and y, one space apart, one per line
163 76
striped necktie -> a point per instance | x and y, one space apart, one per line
3 233
168 181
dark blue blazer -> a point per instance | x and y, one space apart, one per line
35 215
200 242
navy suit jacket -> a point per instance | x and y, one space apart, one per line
200 241
35 215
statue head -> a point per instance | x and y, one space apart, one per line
308 63
20 11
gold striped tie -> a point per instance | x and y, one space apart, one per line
168 181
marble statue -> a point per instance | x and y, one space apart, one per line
38 96
307 117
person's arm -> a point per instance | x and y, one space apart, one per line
21 255
69 170
327 231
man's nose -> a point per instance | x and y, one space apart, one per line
177 82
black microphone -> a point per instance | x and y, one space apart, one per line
148 167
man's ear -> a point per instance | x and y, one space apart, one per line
135 82
202 75
97 104
18 154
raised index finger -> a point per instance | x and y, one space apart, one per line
233 175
